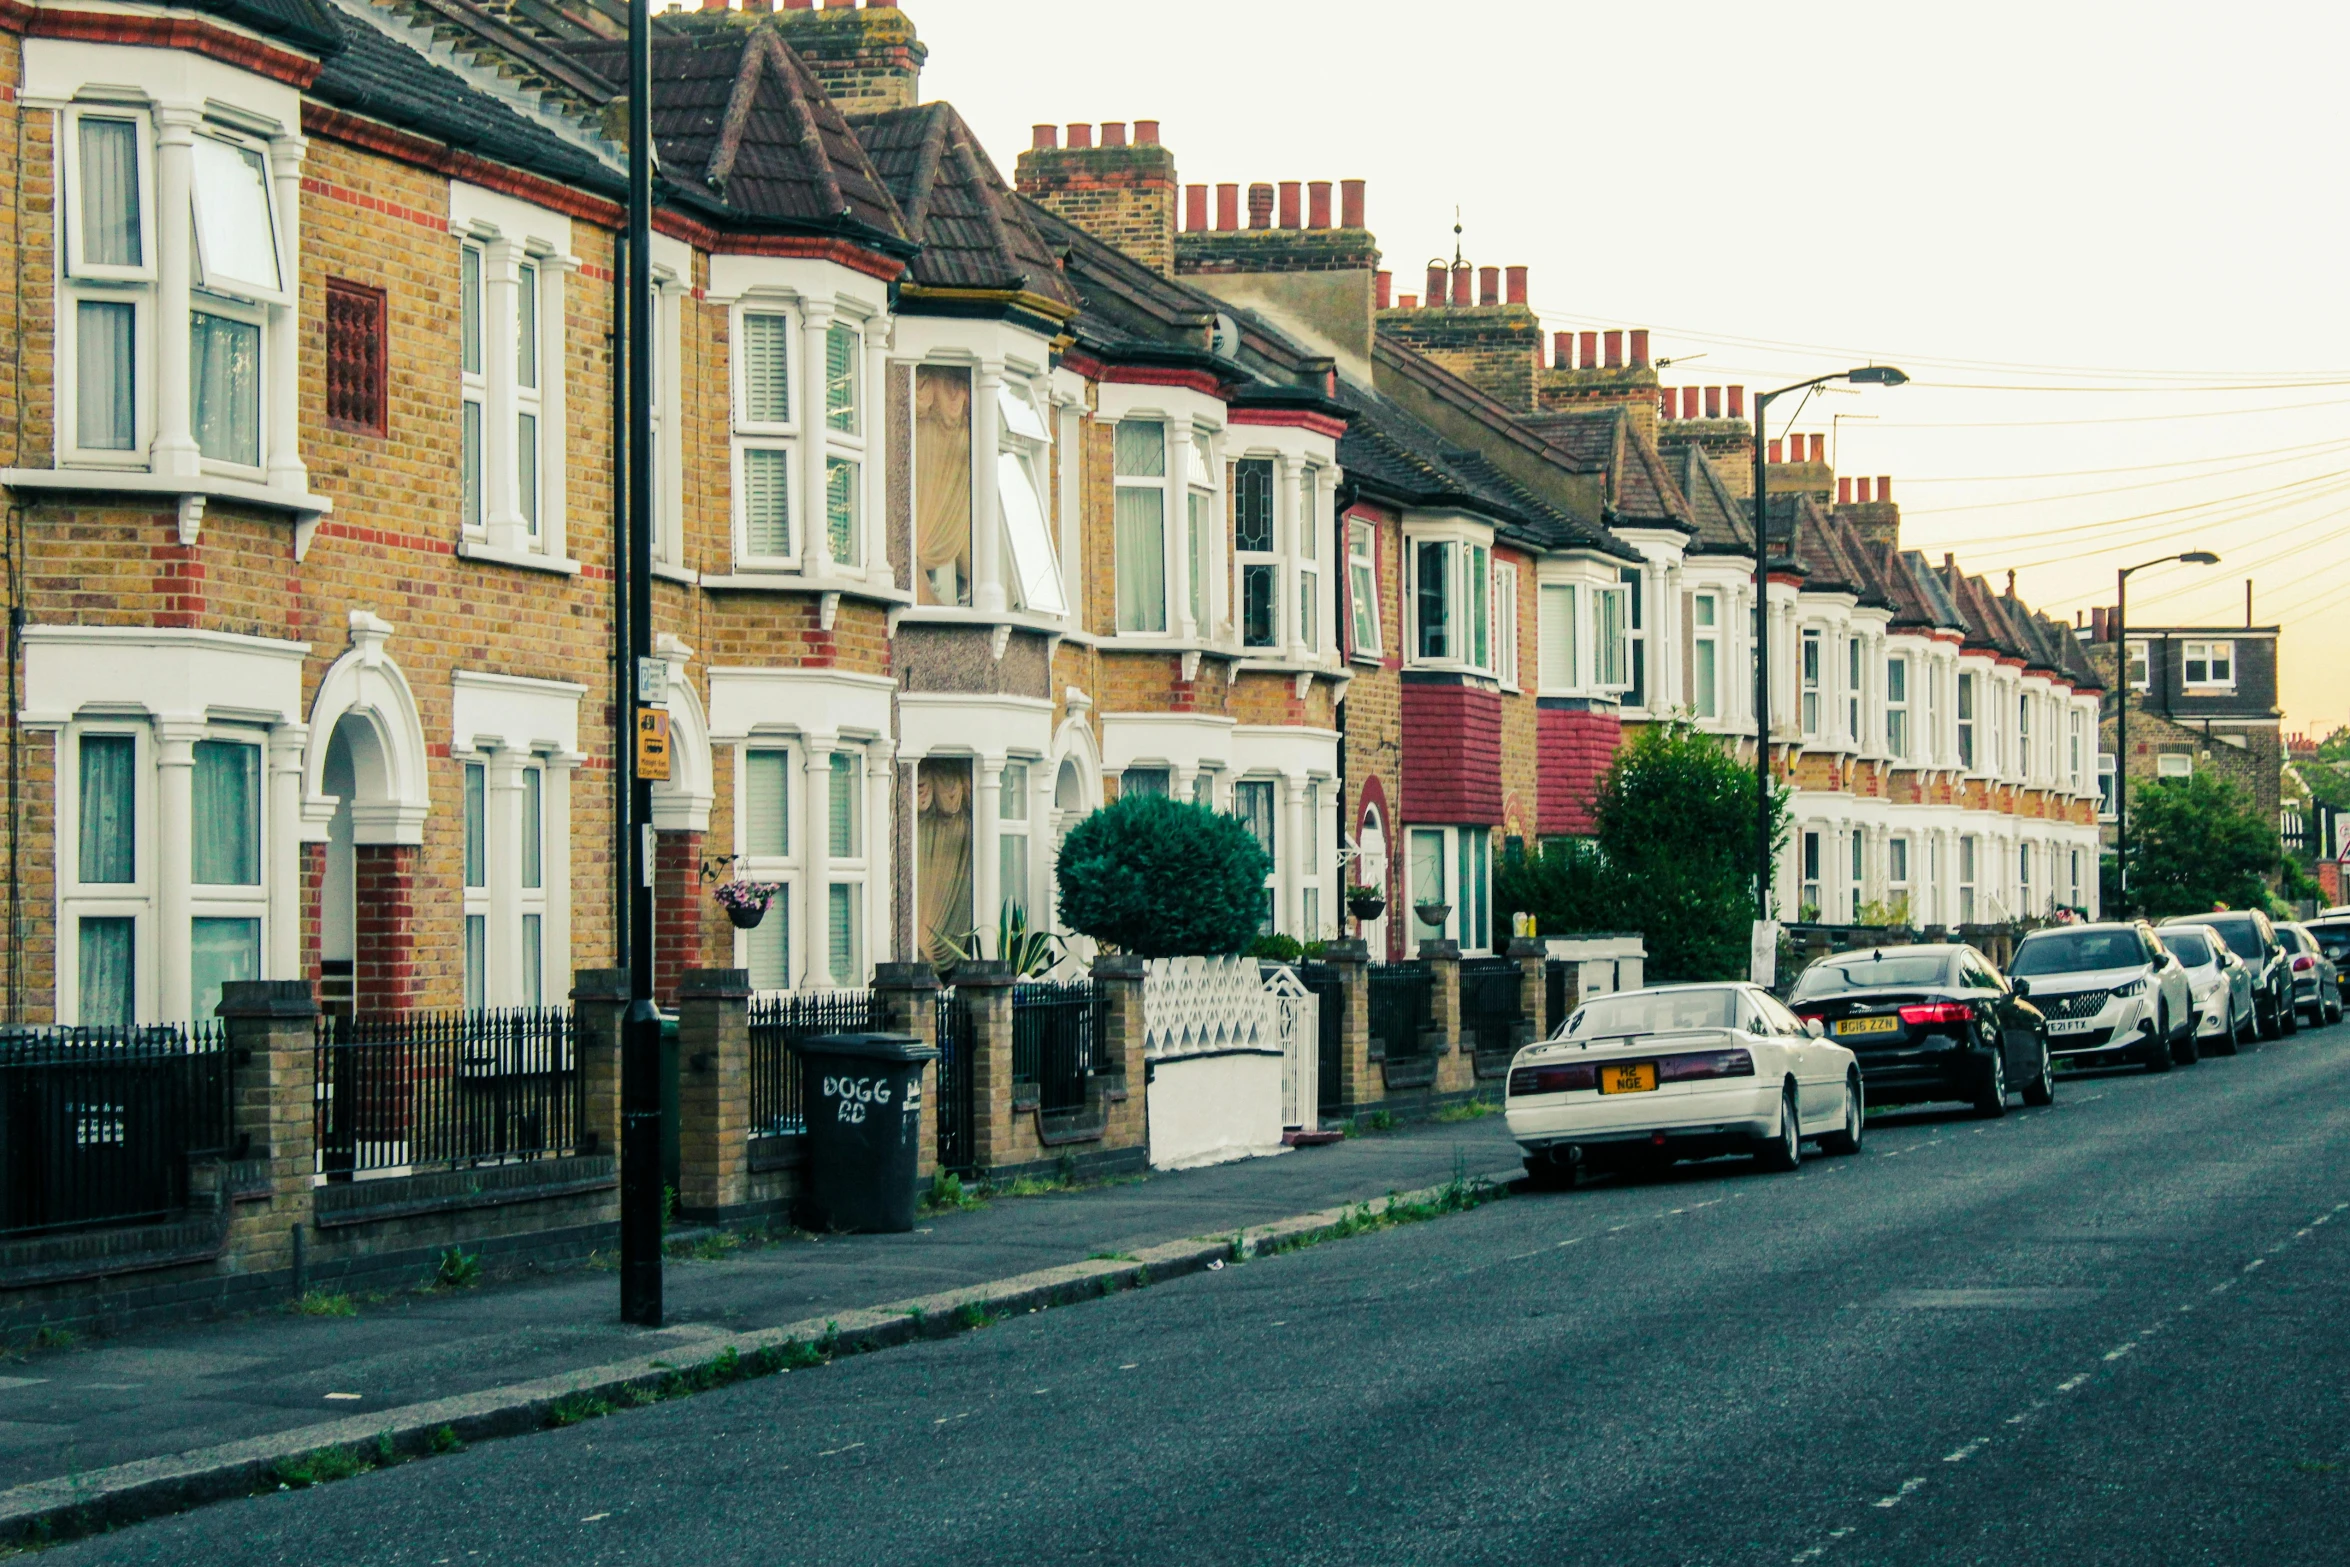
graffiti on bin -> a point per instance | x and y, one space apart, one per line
854 1097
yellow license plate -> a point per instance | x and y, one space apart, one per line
1638 1078
1869 1025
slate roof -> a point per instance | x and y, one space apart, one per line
384 78
1934 593
1641 489
1832 557
1724 522
1913 589
1124 306
740 116
974 233
309 25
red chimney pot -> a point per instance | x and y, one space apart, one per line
1407 302
1146 132
1113 133
1318 204
1384 284
1044 136
1775 457
1640 348
1843 492
1489 285
1562 350
1195 209
1590 350
1862 489
1291 216
1463 284
1227 208
1818 445
1515 280
1737 402
1615 350
1080 136
1884 486
1688 402
1350 204
1713 402
1260 206
1436 283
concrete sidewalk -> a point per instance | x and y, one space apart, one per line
155 1392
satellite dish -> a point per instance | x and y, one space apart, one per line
1226 341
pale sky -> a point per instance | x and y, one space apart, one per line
2103 239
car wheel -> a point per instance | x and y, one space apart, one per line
2041 1090
1544 1174
2334 1009
2158 1059
1855 1113
2289 1019
2187 1051
1991 1088
2226 1044
1785 1151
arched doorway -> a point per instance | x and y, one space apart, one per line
365 800
1370 870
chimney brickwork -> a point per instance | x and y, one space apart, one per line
1714 418
1123 192
868 57
1611 368
1471 325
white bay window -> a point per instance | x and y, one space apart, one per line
802 432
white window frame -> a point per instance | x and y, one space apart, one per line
1897 868
669 300
509 908
1263 563
229 307
1036 587
2174 764
1852 692
1558 635
767 434
1459 845
508 530
1705 654
1897 712
1505 623
784 870
1810 670
1362 587
1305 550
852 869
1810 872
849 445
1171 525
81 282
2211 656
1969 701
133 900
2108 783
1610 657
1969 857
2023 735
2137 663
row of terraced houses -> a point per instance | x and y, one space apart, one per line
980 500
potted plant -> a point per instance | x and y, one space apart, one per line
745 902
1365 903
1433 913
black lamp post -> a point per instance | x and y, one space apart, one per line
1865 375
2121 722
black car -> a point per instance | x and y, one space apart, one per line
2333 939
2251 937
1928 1023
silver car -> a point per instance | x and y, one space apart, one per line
2317 982
2221 984
2110 994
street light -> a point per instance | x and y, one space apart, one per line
2121 728
1865 375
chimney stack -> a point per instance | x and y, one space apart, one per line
1124 193
1292 213
1318 204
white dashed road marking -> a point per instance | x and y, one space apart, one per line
1907 1486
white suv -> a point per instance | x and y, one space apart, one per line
2109 992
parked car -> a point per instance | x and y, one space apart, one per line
2109 993
1930 1022
1645 1077
2221 984
2317 979
2251 937
2333 939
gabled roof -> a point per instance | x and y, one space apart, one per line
1123 306
1988 629
1641 489
2040 650
739 116
1832 557
1934 593
1465 397
1724 522
2071 660
974 233
1911 588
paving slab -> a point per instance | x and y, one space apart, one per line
164 1391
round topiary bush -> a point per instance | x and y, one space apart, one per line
1162 878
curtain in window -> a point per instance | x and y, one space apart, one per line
840 378
766 368
109 991
942 484
110 193
840 910
220 951
106 415
1427 879
766 801
1141 558
109 804
841 533
942 805
227 850
845 806
224 372
1146 780
767 948
1252 802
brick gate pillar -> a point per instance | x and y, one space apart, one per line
713 1093
986 988
905 1001
1456 1068
273 1054
677 909
599 1000
383 927
1358 1085
1117 981
1533 987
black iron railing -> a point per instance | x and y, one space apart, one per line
1322 979
957 1149
778 1023
1490 1005
1403 997
98 1125
411 1091
1054 1029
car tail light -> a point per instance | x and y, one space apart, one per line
1698 1064
1944 1013
1552 1079
1813 1017
2304 962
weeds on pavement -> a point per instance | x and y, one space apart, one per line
458 1269
1467 1110
320 1303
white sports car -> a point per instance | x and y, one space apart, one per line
1681 1072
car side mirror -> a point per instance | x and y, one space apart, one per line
1812 1026
2021 987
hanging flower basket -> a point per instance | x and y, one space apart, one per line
1366 904
1433 913
745 902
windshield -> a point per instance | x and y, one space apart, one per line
2332 940
2241 938
2078 951
2189 947
1655 1012
1873 973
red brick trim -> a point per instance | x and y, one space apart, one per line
383 909
317 187
385 538
194 34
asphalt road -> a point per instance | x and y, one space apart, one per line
2105 1332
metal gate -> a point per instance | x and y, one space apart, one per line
1491 1010
956 1118
1322 979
